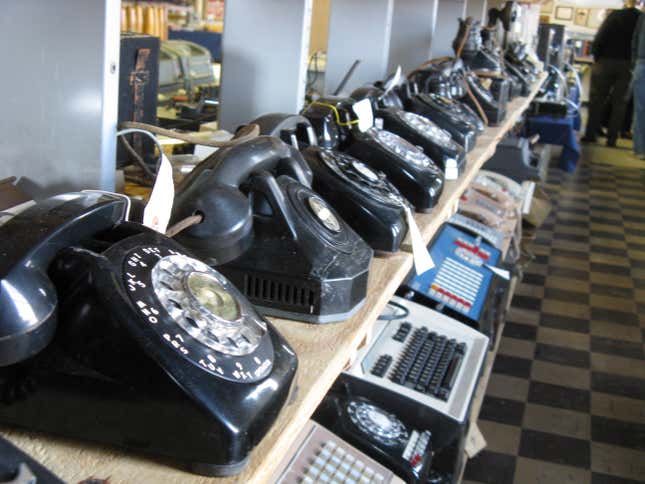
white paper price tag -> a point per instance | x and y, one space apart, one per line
422 260
503 273
363 110
156 215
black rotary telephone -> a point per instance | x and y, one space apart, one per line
437 143
114 333
365 198
409 169
446 113
377 427
296 257
217 189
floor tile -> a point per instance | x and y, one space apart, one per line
557 321
616 331
517 347
609 259
491 468
566 284
523 316
535 279
616 347
526 302
508 387
597 478
551 448
618 432
612 279
559 396
617 461
500 437
529 290
563 308
557 420
531 471
609 290
610 268
520 331
513 366
607 301
562 355
567 339
613 315
617 407
620 385
617 365
568 273
554 374
570 263
565 295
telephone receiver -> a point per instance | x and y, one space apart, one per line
293 129
225 191
28 299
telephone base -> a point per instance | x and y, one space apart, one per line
215 470
309 318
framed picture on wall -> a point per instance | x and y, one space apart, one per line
546 7
596 17
564 13
582 16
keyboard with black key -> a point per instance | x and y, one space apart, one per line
427 356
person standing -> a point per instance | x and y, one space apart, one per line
610 74
638 83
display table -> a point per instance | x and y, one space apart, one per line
323 351
557 131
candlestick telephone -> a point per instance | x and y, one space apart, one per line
277 240
114 333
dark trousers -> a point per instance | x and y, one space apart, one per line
609 77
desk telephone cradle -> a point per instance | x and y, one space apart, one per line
364 198
295 257
114 333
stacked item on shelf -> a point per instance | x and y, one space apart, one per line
282 224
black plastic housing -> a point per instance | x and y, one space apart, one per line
446 114
373 208
420 185
296 267
332 414
440 153
109 377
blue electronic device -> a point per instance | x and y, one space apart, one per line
462 283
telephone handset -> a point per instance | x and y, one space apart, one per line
293 129
98 306
365 198
279 219
216 190
28 299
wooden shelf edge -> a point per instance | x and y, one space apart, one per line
323 351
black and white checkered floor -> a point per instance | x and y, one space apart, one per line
566 400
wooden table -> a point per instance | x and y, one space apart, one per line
323 351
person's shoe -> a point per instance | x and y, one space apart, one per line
588 139
626 135
611 143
